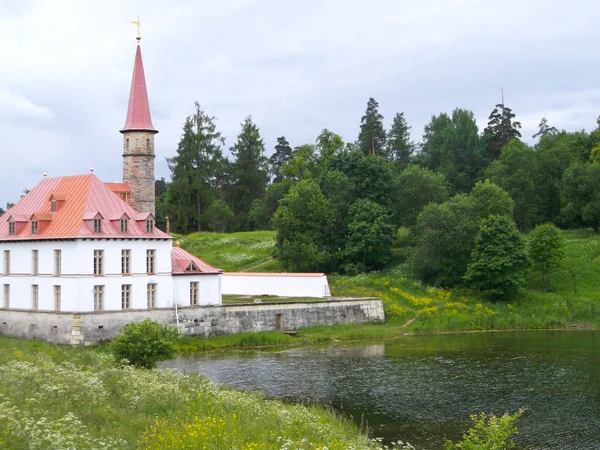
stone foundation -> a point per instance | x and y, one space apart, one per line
93 327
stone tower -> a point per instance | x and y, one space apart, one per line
138 141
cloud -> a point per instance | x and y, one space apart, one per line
14 107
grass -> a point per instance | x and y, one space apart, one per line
573 299
62 398
234 252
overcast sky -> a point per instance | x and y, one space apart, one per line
296 66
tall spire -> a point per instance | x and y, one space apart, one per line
138 112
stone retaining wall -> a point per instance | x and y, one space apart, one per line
92 327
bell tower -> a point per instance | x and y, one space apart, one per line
138 141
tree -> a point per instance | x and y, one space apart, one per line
145 343
399 147
544 128
195 171
283 153
303 223
370 234
498 260
546 249
581 196
218 216
160 187
302 165
327 145
488 199
500 130
249 171
515 172
451 146
417 187
372 133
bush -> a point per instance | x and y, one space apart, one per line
488 432
145 343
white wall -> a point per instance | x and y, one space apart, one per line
77 280
209 287
281 284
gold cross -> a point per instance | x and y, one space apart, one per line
137 23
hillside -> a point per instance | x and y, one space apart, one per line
572 300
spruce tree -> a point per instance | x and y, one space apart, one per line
283 153
194 171
249 171
372 134
501 129
399 147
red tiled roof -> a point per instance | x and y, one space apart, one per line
180 261
138 112
85 197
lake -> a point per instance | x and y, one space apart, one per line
422 389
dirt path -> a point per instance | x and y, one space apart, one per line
249 269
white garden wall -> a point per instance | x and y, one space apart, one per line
279 284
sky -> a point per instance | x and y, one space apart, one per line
296 66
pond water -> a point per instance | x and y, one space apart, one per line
422 389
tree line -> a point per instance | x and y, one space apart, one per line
337 206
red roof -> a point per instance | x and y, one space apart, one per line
85 197
138 113
181 261
118 187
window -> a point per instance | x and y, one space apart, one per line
147 143
6 296
151 295
126 296
57 298
98 298
11 228
124 225
151 261
192 267
97 225
34 296
98 262
125 257
57 262
52 205
34 227
6 262
127 144
149 226
35 262
193 293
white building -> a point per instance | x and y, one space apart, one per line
76 244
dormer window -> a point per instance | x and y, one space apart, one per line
124 225
149 226
53 206
11 228
97 225
34 227
192 267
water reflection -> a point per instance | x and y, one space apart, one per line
423 388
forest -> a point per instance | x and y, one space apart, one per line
461 199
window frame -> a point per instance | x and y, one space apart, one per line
35 296
57 297
125 296
125 261
57 262
124 225
6 262
99 297
97 225
6 299
12 228
53 206
151 261
149 226
151 295
35 227
98 262
35 262
194 293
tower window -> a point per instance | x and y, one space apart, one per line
97 225
34 227
52 205
11 228
149 226
124 225
147 143
127 144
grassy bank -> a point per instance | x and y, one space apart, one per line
573 299
60 398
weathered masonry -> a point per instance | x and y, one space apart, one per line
87 328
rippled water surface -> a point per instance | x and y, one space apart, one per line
423 388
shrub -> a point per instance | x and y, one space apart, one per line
546 249
488 432
145 343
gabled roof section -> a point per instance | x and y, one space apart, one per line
19 218
85 197
182 261
118 187
138 112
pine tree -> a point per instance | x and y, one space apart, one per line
501 129
249 171
194 171
372 134
544 129
283 153
399 146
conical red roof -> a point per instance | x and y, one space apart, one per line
138 113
